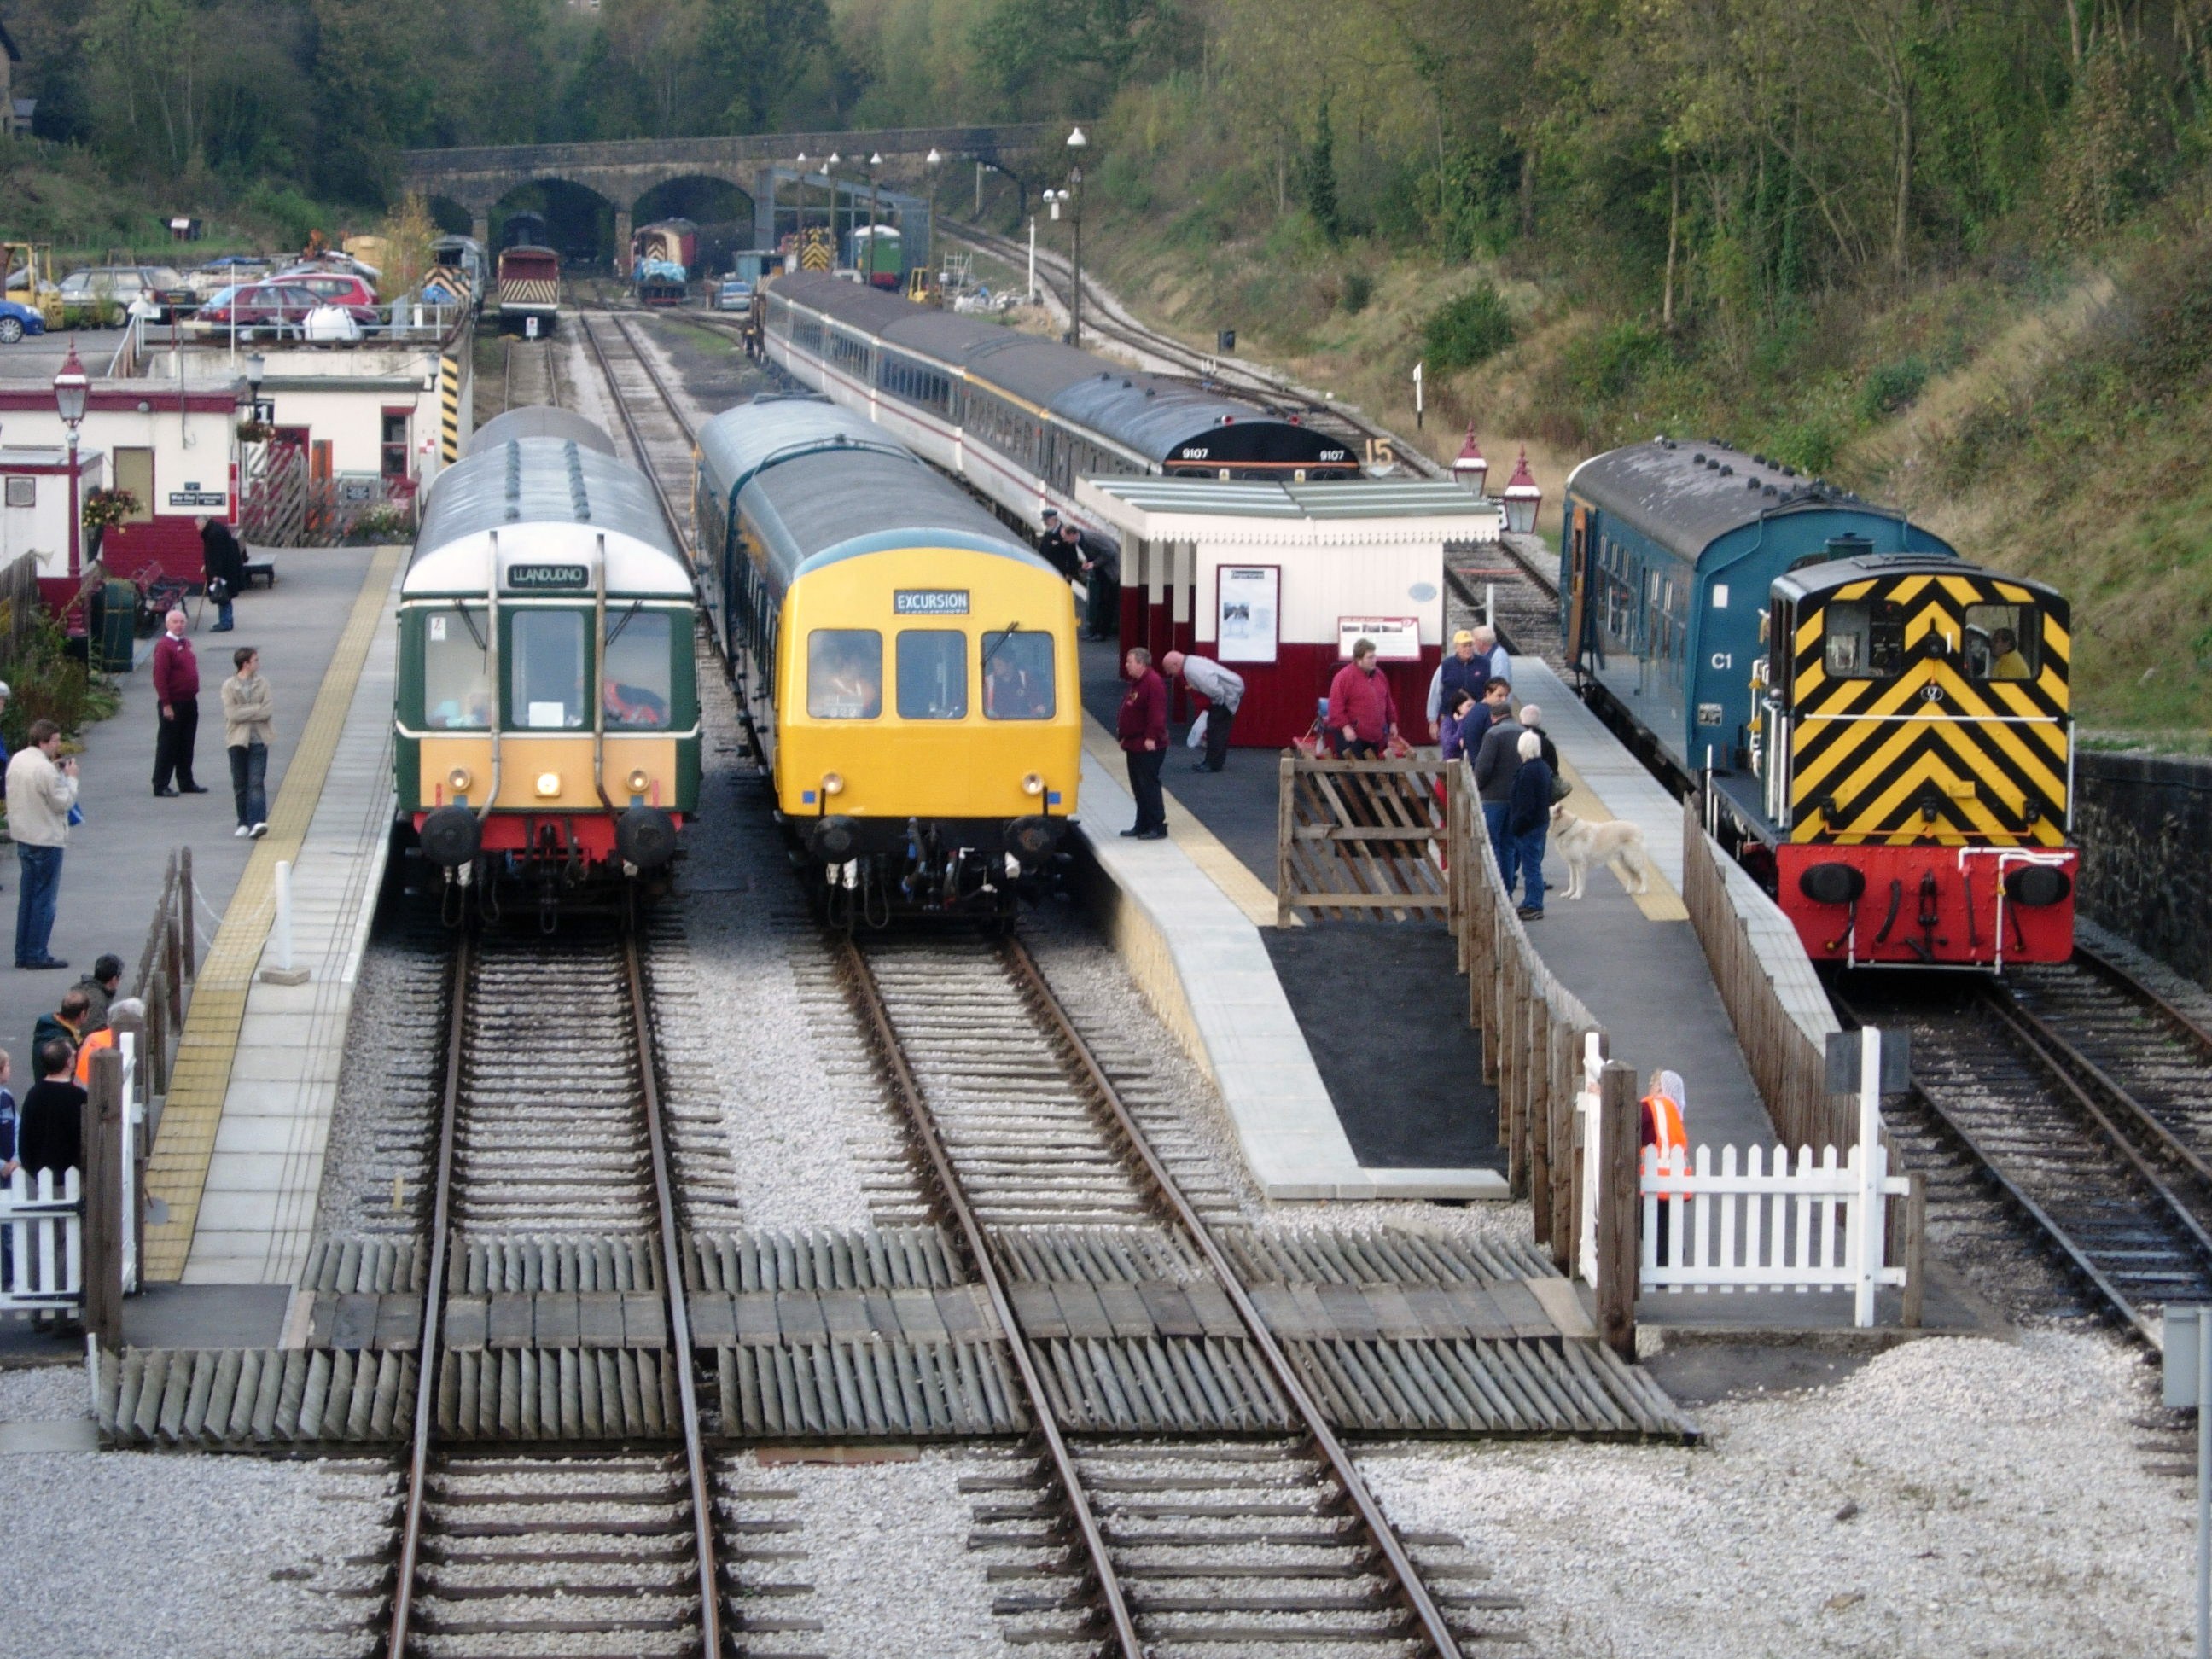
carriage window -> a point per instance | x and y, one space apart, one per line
844 674
1017 677
2003 641
637 670
456 675
933 674
547 686
1865 639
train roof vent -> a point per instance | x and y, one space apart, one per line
1772 490
513 481
1789 471
1728 472
1697 459
1752 483
1152 391
579 498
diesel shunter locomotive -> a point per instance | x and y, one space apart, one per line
907 668
546 729
1886 728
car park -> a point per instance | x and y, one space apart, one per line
333 288
733 294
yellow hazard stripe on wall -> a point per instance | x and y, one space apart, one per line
449 409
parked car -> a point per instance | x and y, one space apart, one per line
270 308
337 289
162 286
17 320
733 294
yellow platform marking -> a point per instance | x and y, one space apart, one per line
1199 845
177 1172
1659 901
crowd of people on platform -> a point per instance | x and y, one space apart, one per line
1471 716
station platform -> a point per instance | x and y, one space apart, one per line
1379 1009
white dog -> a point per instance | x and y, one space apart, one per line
1583 844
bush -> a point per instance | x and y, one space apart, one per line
1467 331
1357 290
1892 386
1609 364
47 683
382 525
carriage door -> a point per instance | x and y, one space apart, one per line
1578 555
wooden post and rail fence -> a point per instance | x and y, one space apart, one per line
1405 840
74 1238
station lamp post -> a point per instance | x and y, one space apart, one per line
1077 143
1524 495
1470 469
802 199
71 386
829 190
934 160
875 160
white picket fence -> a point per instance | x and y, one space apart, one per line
44 1230
1762 1226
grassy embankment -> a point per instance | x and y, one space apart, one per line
2047 409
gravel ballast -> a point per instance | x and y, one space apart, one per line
1954 1498
138 1552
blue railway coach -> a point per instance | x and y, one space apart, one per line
1670 547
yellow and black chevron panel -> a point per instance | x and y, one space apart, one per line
1929 708
449 410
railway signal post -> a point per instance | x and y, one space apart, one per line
2188 1367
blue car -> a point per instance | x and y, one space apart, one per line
17 320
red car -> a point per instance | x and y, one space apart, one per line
272 307
331 286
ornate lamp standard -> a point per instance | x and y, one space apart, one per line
71 386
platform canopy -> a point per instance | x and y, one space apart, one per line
1291 515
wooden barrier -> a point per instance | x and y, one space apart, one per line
166 969
1533 1027
1786 1062
1357 841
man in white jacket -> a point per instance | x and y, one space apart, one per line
41 789
1223 690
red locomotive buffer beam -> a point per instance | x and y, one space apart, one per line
1929 906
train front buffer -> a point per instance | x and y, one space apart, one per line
1928 906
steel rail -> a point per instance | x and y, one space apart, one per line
679 1313
433 1300
2098 962
1405 1576
1104 1576
2116 1301
629 421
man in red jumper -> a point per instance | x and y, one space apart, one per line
1362 715
177 688
1144 732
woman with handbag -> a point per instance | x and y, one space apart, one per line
225 562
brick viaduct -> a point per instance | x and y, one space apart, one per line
622 170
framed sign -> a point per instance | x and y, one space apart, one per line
1397 639
1247 611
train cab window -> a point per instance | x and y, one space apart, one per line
933 674
2003 641
546 688
1865 639
1017 677
637 670
456 672
844 674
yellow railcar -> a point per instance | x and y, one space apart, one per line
909 667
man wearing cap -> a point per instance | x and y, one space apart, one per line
1465 669
1056 552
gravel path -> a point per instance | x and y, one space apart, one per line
1952 1498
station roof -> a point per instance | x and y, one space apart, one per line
1365 509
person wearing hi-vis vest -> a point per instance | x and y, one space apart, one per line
1662 1128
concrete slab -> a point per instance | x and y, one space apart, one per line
75 1434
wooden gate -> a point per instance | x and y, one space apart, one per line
1363 841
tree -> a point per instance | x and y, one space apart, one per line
1320 177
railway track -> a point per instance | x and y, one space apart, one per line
553 1168
1153 1549
2084 1101
532 375
660 437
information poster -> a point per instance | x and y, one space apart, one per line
1397 639
1250 600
